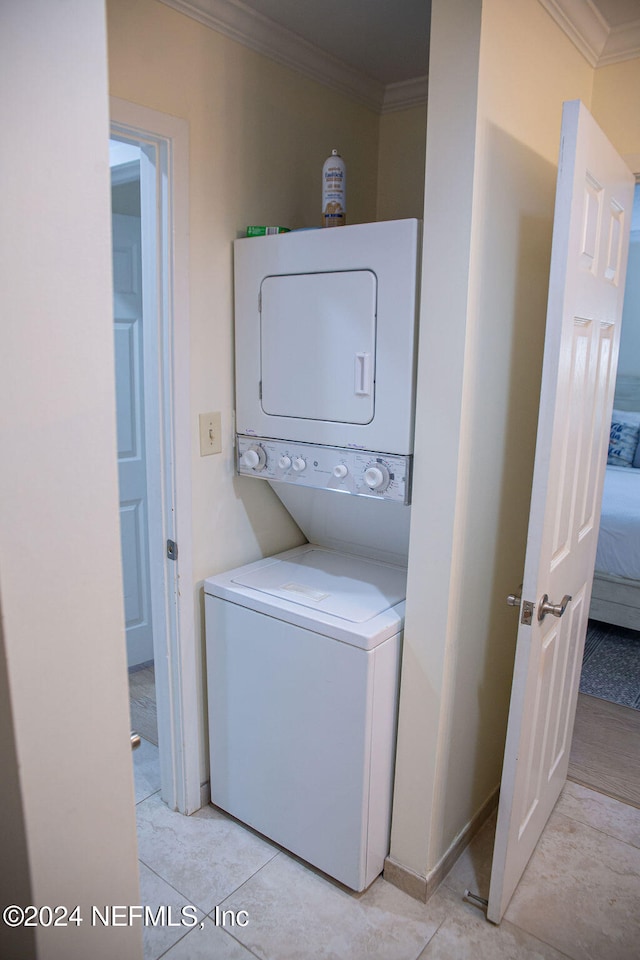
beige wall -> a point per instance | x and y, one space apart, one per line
60 572
527 69
258 136
401 164
616 106
476 416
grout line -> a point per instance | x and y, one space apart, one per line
233 892
142 799
430 939
165 952
495 927
243 945
169 884
254 874
532 936
605 833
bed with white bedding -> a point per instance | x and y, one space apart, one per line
616 586
619 539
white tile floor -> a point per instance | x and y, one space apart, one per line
579 897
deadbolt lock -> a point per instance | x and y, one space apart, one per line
515 600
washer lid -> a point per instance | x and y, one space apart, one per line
348 587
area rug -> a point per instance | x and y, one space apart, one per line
611 664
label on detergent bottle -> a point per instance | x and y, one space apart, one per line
334 177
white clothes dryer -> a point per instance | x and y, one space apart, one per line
303 653
326 339
325 332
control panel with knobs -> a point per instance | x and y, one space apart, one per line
254 458
361 473
377 476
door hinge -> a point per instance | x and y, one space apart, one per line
260 302
260 390
172 550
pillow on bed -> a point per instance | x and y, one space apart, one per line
623 440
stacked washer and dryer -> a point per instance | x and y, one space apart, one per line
303 648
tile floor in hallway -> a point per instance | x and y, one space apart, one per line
579 897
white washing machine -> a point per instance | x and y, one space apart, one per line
303 654
303 649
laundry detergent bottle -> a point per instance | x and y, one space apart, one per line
334 183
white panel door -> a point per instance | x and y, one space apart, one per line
127 313
594 197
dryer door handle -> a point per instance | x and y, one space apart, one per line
363 375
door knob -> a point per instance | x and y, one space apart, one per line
135 740
555 609
515 599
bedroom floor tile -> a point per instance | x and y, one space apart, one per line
580 893
617 819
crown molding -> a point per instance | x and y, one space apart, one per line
585 26
582 23
408 93
623 43
245 25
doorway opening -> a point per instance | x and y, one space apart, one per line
151 327
608 715
136 350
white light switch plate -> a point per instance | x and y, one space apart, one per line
210 434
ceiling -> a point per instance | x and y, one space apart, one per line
618 13
384 39
377 50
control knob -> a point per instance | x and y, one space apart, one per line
299 464
340 471
254 458
284 462
377 477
